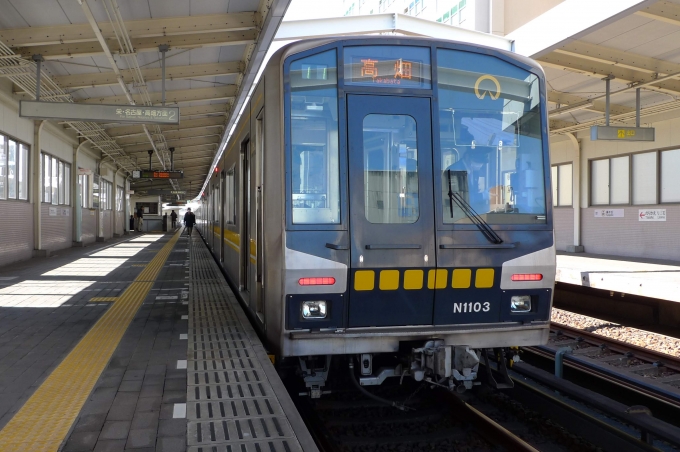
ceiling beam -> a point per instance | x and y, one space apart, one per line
172 135
566 99
600 70
620 57
183 125
152 74
176 143
663 11
171 97
93 48
146 28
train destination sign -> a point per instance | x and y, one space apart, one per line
620 133
157 191
157 174
388 66
67 111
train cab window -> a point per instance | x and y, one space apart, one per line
315 181
491 149
390 169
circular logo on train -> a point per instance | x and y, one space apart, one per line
493 94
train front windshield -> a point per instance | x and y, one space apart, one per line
491 149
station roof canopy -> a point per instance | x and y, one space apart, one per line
107 52
632 42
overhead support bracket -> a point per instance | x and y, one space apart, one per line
38 61
163 48
150 154
637 107
607 81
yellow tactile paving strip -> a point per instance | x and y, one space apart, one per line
103 299
46 418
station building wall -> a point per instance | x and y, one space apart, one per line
57 215
644 176
16 240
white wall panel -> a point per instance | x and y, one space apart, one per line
57 227
16 240
628 236
563 219
89 226
107 218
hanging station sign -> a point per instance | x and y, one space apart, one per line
157 191
157 174
617 133
68 111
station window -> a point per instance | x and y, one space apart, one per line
644 178
84 187
315 175
562 185
670 183
13 169
56 178
119 198
106 198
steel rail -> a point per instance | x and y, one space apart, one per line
670 361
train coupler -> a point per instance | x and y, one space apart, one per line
438 363
315 371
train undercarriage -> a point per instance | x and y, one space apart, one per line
453 367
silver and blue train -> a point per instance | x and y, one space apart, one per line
386 197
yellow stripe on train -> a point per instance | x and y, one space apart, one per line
461 278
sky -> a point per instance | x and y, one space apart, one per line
314 9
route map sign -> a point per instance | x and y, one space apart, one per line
65 111
157 174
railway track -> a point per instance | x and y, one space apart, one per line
647 372
434 420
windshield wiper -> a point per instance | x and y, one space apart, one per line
476 219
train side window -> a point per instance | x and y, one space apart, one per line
229 211
390 169
315 181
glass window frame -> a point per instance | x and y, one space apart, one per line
63 178
556 182
22 170
14 184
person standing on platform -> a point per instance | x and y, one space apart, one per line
173 217
140 216
189 220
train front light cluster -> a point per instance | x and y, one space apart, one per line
312 310
520 303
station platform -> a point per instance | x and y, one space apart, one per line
136 344
652 278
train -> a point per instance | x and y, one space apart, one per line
387 199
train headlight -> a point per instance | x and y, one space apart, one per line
520 303
314 310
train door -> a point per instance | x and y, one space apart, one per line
245 223
259 242
252 224
391 213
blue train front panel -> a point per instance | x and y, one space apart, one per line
421 170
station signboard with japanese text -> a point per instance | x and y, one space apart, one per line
157 191
157 174
652 215
67 111
609 213
621 133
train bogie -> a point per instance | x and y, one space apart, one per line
378 192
